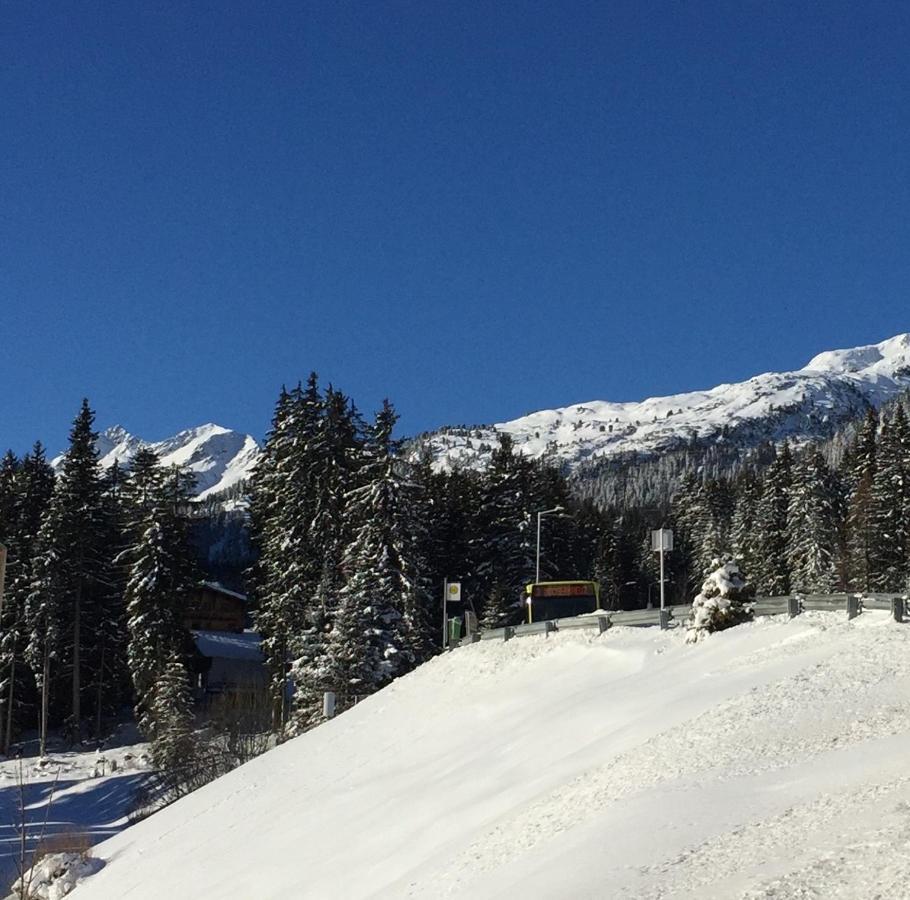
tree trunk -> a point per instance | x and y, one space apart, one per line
77 661
45 689
100 694
7 737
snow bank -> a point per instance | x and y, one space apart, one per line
766 761
54 876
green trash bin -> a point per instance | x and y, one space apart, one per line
454 629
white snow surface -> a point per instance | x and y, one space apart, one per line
834 387
217 456
768 761
90 794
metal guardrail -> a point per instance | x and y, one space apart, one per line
853 604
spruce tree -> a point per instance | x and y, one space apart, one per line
161 576
368 646
173 746
861 539
32 490
745 526
889 506
73 574
772 576
812 526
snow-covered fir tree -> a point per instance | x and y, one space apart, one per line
722 602
285 493
161 576
890 505
73 584
861 538
24 499
173 745
745 525
812 526
772 575
368 646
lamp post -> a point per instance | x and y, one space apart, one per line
540 515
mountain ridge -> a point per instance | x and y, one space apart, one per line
833 388
806 404
219 457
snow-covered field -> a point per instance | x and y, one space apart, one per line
89 794
769 761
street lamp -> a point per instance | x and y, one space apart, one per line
540 515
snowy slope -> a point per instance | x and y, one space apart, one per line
769 761
90 794
219 457
834 387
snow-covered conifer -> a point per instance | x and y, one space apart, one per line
812 526
171 707
722 602
773 570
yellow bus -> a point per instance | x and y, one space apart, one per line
561 599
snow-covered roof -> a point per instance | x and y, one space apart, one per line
221 589
225 645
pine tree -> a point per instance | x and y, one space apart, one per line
608 568
745 526
173 746
161 576
73 578
861 535
812 526
773 570
505 542
368 646
889 506
32 490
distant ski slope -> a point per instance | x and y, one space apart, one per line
769 761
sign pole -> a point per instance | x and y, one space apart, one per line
662 542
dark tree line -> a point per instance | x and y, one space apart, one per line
99 567
356 537
802 524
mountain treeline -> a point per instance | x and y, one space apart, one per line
356 539
827 518
353 536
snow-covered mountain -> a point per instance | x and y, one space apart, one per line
834 387
220 458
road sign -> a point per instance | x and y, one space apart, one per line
662 539
454 589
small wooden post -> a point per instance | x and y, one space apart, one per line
793 606
897 608
852 606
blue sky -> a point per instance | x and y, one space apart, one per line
476 209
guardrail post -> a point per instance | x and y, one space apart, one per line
793 606
897 608
852 606
548 627
664 619
603 623
508 633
